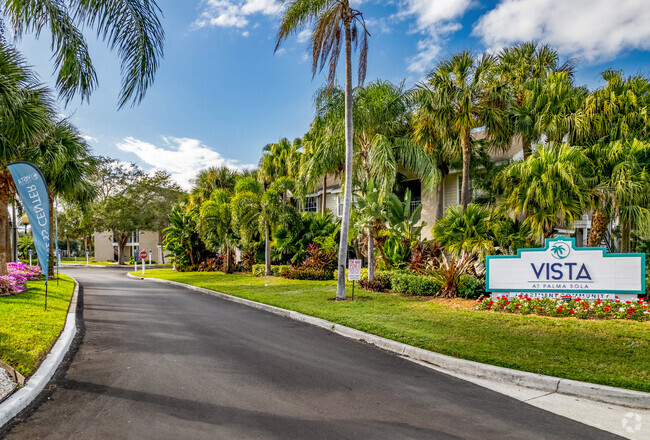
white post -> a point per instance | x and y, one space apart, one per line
30 257
150 257
143 265
87 257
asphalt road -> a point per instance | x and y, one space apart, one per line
159 362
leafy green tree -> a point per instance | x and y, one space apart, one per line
182 239
131 27
335 21
209 180
215 225
371 212
281 159
465 95
545 188
135 205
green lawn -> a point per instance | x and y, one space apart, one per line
606 352
27 331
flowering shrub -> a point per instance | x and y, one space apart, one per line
16 281
580 308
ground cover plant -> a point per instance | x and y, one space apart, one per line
608 352
566 306
26 330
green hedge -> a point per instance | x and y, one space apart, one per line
276 270
132 261
302 273
413 284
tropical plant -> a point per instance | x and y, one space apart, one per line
215 226
131 27
25 111
181 238
464 95
371 211
525 67
545 188
334 21
450 274
466 231
209 180
281 159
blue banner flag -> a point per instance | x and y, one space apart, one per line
32 189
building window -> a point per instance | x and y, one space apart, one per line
311 204
339 205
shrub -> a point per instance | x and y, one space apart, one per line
213 264
276 270
300 273
317 258
414 284
471 287
381 282
451 273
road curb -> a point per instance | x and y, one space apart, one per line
549 384
20 399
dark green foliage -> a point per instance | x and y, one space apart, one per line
381 282
414 284
276 270
132 261
471 287
293 237
300 273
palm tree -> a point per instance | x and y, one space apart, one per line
546 187
64 159
466 95
215 225
131 27
210 179
371 214
525 67
181 238
466 231
281 159
25 110
334 21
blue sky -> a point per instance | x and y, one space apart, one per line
221 93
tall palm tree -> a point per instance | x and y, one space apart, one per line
546 187
131 27
525 67
334 22
281 159
25 111
64 159
466 95
209 180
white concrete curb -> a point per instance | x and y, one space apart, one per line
36 383
549 384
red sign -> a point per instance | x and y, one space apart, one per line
143 254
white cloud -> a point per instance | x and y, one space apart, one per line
181 157
234 13
596 30
89 138
303 36
435 20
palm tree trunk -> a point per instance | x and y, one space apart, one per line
465 144
228 260
440 206
625 236
67 245
322 208
598 229
347 199
4 222
527 149
267 251
371 256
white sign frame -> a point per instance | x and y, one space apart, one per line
354 270
590 270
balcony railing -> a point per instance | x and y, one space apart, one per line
415 204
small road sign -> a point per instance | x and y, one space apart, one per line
143 254
354 270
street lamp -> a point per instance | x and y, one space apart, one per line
25 221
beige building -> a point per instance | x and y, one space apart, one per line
106 247
451 190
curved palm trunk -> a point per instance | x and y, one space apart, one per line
347 199
466 147
324 198
4 225
267 251
371 256
625 236
599 223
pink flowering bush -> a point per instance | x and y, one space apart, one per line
16 281
637 310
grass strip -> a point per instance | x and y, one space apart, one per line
27 332
608 352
